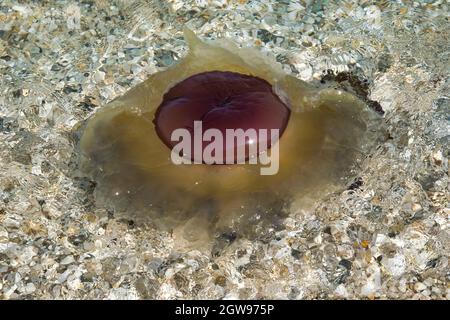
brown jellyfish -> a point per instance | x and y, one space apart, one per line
127 146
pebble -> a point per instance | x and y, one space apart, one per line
419 286
395 266
341 291
12 221
438 157
67 260
99 76
101 50
30 288
3 235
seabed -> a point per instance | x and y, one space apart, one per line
385 235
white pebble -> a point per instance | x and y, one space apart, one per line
67 260
419 286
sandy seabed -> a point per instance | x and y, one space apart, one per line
385 236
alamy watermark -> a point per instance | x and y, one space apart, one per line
249 146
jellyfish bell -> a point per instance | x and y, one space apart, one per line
126 146
238 112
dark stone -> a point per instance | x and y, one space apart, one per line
297 254
341 274
348 81
384 62
215 266
432 263
392 234
223 241
267 36
86 106
356 184
347 264
56 67
78 239
87 277
72 88
427 180
17 93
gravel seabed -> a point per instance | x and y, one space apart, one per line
386 237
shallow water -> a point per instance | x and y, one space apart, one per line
329 132
371 240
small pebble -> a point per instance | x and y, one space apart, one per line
419 286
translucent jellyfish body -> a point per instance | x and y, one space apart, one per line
125 146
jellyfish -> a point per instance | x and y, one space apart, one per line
128 148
